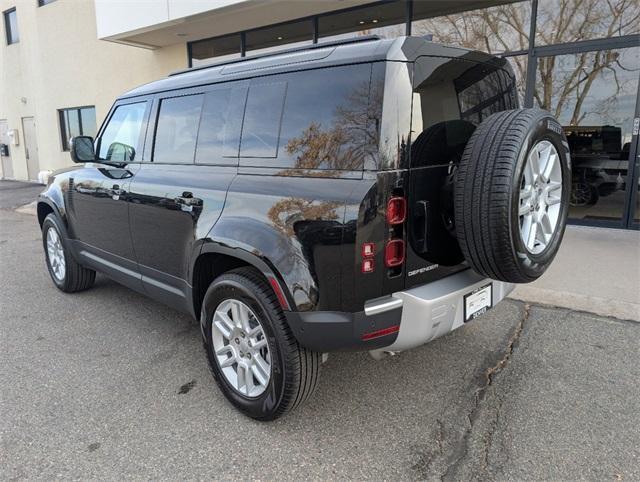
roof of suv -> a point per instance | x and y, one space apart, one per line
350 51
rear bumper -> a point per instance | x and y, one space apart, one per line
432 310
401 321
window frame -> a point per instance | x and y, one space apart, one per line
64 139
7 26
143 130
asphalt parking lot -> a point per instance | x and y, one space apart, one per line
107 384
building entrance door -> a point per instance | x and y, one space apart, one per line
30 147
7 166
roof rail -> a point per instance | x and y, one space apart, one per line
330 43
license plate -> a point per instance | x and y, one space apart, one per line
477 302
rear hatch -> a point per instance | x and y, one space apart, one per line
451 96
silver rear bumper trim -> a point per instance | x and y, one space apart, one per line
434 309
374 307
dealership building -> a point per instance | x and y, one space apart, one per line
62 63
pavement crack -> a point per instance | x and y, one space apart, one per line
474 415
491 372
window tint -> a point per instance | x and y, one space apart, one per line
328 116
262 120
177 129
120 140
219 134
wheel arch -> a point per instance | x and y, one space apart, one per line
215 259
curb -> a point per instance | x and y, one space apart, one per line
622 310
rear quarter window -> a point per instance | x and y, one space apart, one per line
317 119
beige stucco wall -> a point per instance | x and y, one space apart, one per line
60 63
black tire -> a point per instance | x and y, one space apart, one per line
76 277
294 370
487 191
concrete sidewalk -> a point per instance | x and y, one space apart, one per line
596 270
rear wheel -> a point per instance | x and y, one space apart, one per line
65 272
512 195
252 354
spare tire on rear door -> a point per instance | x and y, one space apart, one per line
512 195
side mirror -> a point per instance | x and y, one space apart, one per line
81 149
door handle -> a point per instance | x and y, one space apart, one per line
187 202
116 192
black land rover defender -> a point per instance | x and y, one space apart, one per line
362 195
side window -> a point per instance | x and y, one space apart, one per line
177 129
328 115
220 125
262 118
121 138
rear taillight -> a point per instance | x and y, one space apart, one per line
394 249
396 210
394 253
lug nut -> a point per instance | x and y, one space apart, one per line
237 340
249 356
242 334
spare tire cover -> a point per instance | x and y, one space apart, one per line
512 193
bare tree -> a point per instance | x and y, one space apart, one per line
562 87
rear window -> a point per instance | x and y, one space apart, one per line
482 91
450 98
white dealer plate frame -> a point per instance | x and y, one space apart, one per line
478 302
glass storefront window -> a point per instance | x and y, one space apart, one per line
273 38
497 29
213 50
593 95
519 66
561 21
387 20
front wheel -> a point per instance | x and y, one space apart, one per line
252 354
65 272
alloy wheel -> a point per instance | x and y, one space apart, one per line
55 253
540 197
241 348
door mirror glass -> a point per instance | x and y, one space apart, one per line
81 149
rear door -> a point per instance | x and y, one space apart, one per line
180 193
450 98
